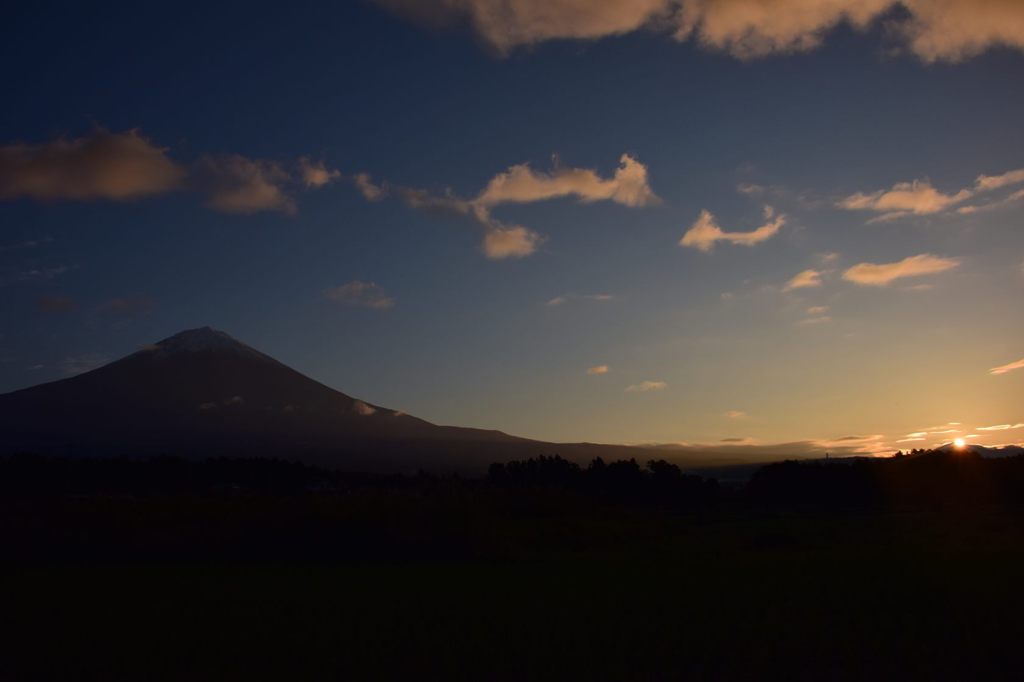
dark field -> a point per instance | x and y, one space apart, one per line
464 580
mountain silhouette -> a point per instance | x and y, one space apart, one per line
203 393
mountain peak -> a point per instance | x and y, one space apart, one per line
201 340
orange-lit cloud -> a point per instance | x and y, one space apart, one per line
705 232
647 386
598 369
1003 369
522 184
1000 427
236 184
736 414
369 190
804 280
934 30
510 242
103 165
315 174
361 294
918 197
883 274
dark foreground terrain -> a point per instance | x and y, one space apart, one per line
219 570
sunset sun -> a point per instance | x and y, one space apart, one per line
960 443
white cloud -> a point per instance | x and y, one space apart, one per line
236 184
1003 369
362 294
934 30
804 280
315 174
883 274
647 386
705 232
598 369
103 165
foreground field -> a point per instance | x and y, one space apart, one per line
465 582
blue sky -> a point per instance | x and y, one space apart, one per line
406 307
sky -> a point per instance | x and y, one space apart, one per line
733 223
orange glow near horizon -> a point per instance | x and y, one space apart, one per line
960 443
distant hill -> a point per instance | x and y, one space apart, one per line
203 393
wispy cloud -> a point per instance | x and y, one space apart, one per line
705 232
919 197
361 294
1000 427
522 184
370 190
883 274
236 184
804 280
736 414
934 30
315 174
1003 369
568 298
598 369
647 386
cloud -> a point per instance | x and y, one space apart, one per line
883 274
804 280
55 304
368 189
756 28
918 197
705 232
362 409
507 24
361 294
102 165
1001 427
522 184
814 321
597 369
316 174
933 30
236 184
1003 369
566 298
817 310
510 242
646 386
736 414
